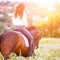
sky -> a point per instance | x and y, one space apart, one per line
46 3
21 0
28 0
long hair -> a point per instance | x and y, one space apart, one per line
19 10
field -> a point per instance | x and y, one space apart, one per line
49 49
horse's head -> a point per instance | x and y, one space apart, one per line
36 33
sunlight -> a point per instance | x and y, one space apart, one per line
51 9
45 18
58 1
47 3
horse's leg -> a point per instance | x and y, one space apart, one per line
7 47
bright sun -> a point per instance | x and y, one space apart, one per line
47 3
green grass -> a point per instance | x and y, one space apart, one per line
50 41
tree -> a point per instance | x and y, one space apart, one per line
5 22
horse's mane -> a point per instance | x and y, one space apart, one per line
30 28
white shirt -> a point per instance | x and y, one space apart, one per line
20 22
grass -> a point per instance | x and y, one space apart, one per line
49 49
50 41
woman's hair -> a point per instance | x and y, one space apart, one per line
19 10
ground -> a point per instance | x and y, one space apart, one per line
49 49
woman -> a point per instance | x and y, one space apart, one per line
20 21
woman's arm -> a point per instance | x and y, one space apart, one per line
25 22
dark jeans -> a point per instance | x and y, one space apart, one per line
24 31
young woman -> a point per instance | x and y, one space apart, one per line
20 21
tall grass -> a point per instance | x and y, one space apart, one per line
49 49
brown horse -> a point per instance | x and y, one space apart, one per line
14 42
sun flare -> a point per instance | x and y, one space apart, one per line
47 3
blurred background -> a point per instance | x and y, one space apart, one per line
45 14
